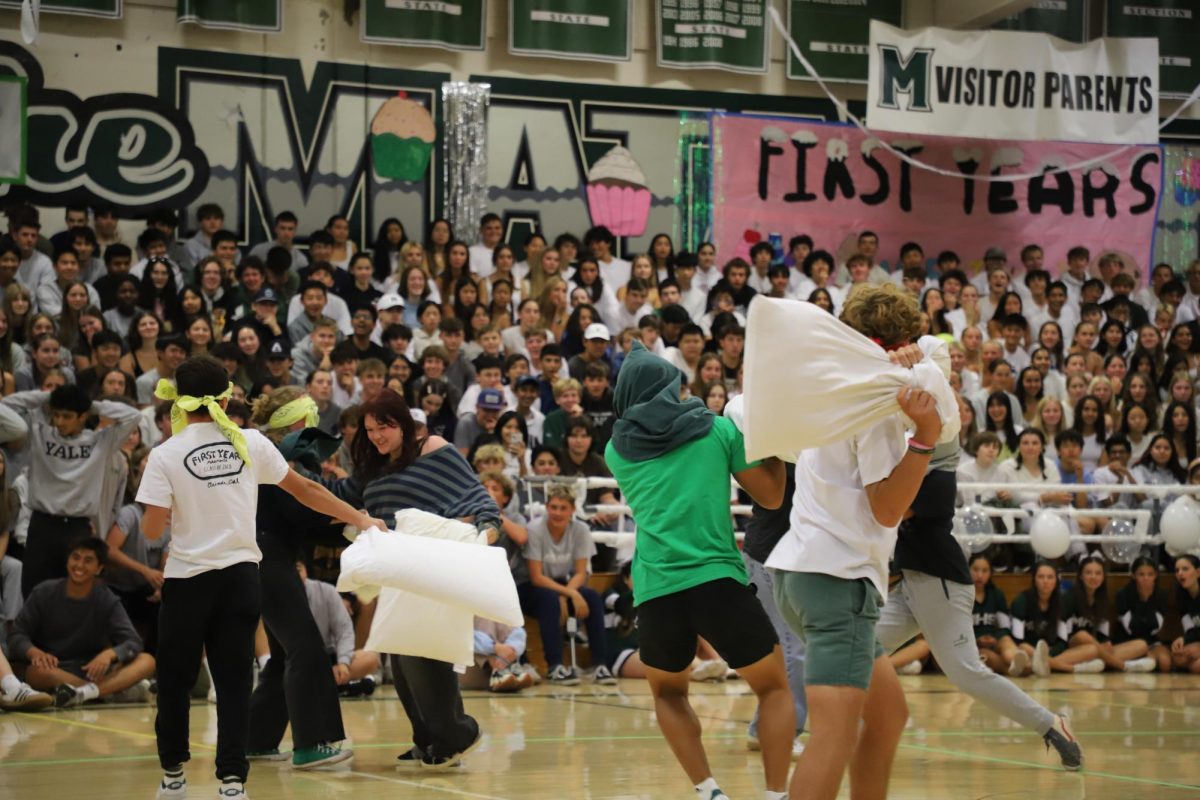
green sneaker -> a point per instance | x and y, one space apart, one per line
266 755
321 755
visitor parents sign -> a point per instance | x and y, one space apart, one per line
1012 85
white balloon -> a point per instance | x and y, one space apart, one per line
976 528
1120 552
1050 535
1180 526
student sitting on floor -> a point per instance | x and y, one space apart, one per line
352 669
498 652
78 639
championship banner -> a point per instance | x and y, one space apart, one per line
14 127
450 25
110 9
1176 26
780 177
731 35
262 16
1012 85
1066 19
834 36
589 30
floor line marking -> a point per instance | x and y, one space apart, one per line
417 784
107 729
1035 765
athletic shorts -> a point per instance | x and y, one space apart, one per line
725 612
836 619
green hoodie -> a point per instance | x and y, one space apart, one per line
672 460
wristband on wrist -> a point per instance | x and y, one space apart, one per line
920 449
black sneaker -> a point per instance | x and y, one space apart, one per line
410 759
65 696
434 761
1061 739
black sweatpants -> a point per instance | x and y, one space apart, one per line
48 545
217 612
297 683
429 691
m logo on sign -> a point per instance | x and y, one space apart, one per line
908 76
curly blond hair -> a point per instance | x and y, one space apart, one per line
884 312
267 404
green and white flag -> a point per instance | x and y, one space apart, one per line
589 30
833 35
110 9
14 127
730 35
1066 19
265 16
1176 25
448 24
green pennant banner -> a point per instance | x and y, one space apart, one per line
589 30
1176 25
1066 19
728 35
833 35
264 16
110 9
450 25
14 127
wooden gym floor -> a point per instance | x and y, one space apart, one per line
1141 734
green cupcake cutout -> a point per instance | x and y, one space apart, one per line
402 137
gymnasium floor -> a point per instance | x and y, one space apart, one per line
1141 734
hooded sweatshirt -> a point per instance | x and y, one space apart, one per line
672 459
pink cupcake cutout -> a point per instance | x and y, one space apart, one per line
617 195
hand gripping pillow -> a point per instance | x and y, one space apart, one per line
810 380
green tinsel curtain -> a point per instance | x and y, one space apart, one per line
1177 240
693 181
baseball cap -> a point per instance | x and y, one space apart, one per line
276 350
389 301
490 400
267 295
418 416
527 380
995 252
597 330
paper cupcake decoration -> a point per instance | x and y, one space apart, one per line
617 195
402 136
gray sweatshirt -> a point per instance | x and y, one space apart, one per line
74 630
63 472
332 619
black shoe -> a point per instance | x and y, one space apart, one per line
368 686
435 761
65 696
1061 739
410 759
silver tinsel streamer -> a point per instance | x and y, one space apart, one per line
464 155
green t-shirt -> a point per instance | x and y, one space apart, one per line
680 504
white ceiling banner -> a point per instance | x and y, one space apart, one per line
1012 85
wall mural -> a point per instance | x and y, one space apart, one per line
253 134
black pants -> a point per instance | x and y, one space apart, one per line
429 691
216 612
297 683
48 545
143 613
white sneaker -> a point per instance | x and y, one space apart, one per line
138 693
1091 667
713 670
797 747
563 676
1144 664
603 676
1019 665
911 668
1041 659
25 698
755 746
232 789
172 788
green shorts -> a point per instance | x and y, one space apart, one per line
836 619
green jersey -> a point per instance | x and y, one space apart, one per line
680 503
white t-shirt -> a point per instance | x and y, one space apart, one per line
833 530
615 273
481 260
212 494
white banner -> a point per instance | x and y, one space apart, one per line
1012 85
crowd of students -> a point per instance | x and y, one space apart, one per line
511 354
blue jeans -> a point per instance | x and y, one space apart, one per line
793 648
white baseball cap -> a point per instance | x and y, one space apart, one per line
418 416
597 330
390 301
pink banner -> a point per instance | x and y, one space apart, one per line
775 176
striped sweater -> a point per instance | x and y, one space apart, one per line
440 482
